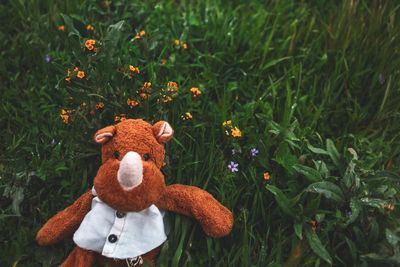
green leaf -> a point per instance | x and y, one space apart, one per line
312 174
70 26
317 150
327 189
317 247
374 202
298 229
332 152
281 199
355 207
391 237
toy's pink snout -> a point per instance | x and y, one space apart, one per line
130 172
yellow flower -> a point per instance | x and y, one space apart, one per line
134 69
90 28
187 116
99 105
80 74
177 42
267 176
132 103
235 132
146 87
167 99
64 116
142 33
89 44
172 87
184 46
195 91
61 28
227 123
144 95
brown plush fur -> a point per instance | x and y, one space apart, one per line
143 138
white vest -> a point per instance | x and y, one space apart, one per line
120 235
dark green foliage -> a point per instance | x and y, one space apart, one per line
313 85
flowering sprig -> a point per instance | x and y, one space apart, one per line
233 166
231 130
254 152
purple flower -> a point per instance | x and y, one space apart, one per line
233 166
348 213
253 152
381 79
47 58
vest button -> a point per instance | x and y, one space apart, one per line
112 238
120 214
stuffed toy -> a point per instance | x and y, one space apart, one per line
120 222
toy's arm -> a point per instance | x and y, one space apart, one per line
65 222
216 220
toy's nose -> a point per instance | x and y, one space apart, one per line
130 173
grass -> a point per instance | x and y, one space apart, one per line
313 85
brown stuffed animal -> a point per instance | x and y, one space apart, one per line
120 221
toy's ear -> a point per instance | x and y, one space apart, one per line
105 134
163 131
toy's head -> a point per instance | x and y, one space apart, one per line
129 178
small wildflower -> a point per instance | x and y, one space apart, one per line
184 46
172 87
254 152
64 116
99 105
68 79
76 69
144 95
89 28
146 87
233 166
348 213
235 132
134 69
47 58
167 99
195 92
163 61
61 28
89 44
389 207
132 103
236 150
381 79
266 176
187 116
227 123
119 118
83 104
177 42
313 225
142 33
80 74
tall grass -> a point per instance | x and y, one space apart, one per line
312 85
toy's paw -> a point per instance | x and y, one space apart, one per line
44 237
219 224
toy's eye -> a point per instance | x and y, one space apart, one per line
116 154
146 156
